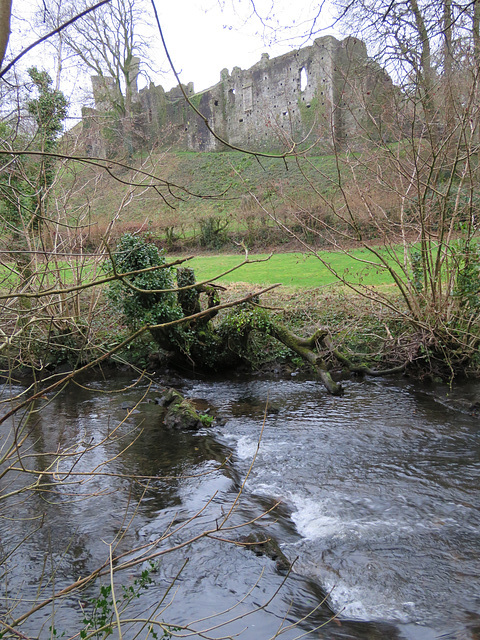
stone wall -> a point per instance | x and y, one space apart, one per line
312 96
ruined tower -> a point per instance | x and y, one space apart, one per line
312 96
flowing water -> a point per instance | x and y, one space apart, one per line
374 495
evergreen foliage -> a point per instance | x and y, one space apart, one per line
143 297
49 108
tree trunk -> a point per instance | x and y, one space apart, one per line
210 347
304 347
448 69
426 74
476 83
5 13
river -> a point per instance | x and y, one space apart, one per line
373 495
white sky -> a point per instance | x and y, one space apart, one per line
203 37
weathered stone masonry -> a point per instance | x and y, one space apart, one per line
324 92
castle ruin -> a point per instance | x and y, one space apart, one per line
312 96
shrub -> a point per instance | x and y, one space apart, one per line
143 297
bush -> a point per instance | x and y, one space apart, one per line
213 234
143 297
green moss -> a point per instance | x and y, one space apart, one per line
162 113
311 112
196 99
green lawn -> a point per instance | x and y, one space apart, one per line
291 269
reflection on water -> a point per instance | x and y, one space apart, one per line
377 492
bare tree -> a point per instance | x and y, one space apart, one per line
428 47
108 43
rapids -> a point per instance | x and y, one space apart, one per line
373 495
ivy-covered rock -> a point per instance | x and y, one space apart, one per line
180 412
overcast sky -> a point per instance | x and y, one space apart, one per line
203 37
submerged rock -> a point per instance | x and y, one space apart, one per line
180 412
455 399
263 545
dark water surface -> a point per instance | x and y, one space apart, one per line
378 502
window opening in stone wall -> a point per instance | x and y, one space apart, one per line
216 103
303 79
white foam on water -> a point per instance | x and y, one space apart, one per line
318 520
246 448
312 521
365 604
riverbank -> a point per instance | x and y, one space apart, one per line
363 331
367 333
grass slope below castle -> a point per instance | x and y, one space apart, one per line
218 200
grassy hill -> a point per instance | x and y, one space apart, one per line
211 199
